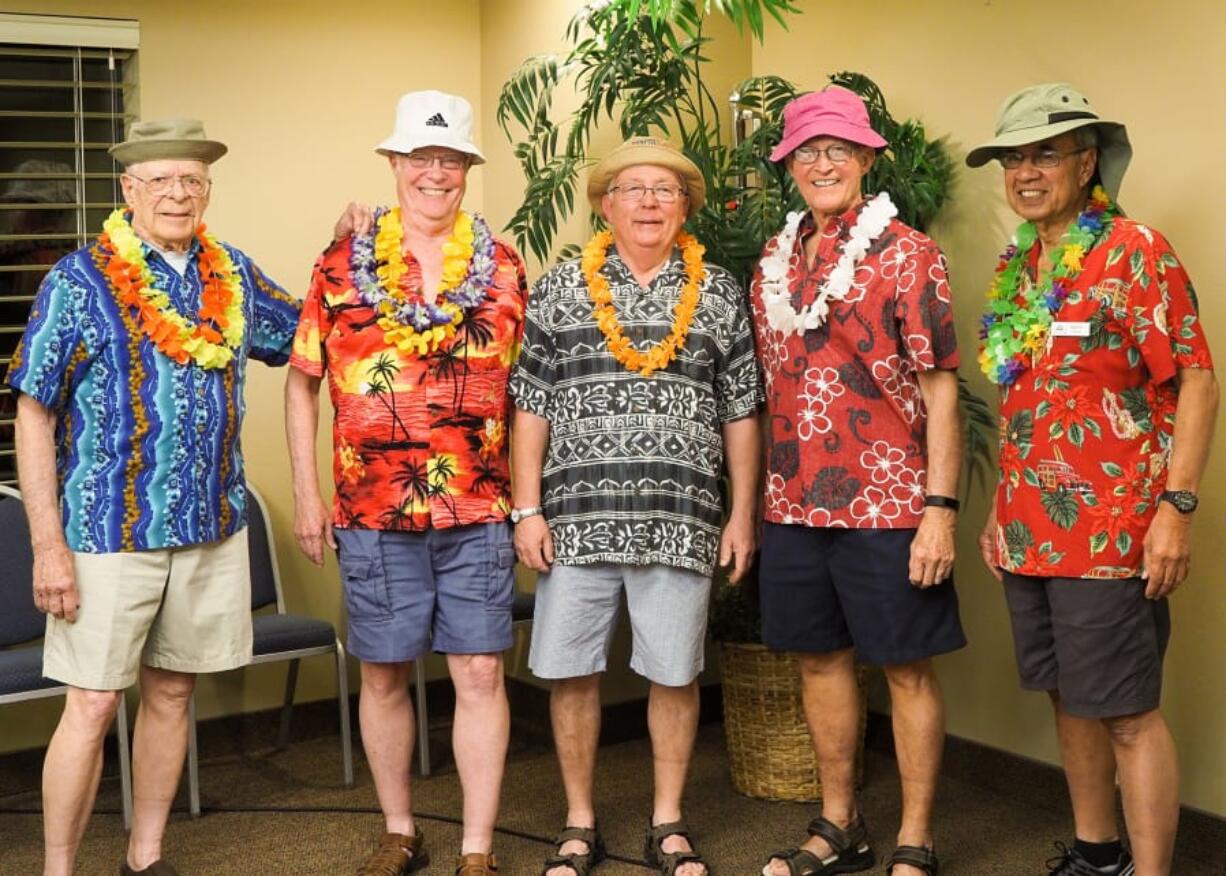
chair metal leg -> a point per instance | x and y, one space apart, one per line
125 761
423 720
193 771
287 707
342 696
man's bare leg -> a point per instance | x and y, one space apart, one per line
574 708
1089 769
832 710
672 721
1149 780
385 714
71 772
480 733
919 741
159 744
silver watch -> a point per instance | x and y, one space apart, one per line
518 514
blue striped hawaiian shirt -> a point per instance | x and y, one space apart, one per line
148 451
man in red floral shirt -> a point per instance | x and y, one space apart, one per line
1107 406
856 340
416 323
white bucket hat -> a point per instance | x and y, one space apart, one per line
432 118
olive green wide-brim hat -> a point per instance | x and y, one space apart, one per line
167 139
1041 112
653 151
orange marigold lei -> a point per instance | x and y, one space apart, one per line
595 253
211 342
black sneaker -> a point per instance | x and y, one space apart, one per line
1070 863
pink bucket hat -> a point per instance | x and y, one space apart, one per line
832 112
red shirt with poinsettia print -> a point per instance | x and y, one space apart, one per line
1085 433
846 442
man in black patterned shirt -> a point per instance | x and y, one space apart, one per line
636 382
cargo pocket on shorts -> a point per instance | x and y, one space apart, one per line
365 588
502 572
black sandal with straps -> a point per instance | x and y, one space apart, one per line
581 862
850 847
668 862
916 856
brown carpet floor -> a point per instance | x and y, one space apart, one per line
993 817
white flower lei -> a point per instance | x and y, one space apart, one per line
777 298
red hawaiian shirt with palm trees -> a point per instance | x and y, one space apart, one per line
1085 434
418 441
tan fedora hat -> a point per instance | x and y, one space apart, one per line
653 151
167 139
1041 112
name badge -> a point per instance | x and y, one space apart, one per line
1070 329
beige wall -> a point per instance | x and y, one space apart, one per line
1160 69
301 93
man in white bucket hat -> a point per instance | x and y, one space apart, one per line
416 320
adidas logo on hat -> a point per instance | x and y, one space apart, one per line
436 121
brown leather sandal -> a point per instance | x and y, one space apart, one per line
397 855
476 864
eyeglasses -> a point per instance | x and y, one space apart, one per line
1014 158
665 194
446 161
194 186
837 153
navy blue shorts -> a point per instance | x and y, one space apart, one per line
449 590
826 589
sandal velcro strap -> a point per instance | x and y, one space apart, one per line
580 862
916 856
840 839
668 862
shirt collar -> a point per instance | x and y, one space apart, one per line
620 272
837 228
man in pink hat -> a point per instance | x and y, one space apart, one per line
856 340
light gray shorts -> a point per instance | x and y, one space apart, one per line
576 613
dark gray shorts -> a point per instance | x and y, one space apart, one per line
1098 643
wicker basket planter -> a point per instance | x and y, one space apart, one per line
769 749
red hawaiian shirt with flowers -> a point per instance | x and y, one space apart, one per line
418 441
846 440
1085 433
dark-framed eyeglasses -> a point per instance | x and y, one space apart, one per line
194 186
663 192
1012 159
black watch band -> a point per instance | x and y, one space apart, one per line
1185 501
942 502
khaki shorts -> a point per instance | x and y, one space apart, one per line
184 609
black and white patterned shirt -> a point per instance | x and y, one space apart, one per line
632 471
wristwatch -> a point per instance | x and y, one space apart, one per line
518 514
942 502
1185 501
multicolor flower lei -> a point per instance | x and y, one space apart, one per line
412 325
1015 326
211 342
595 254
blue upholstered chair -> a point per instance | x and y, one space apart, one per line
21 669
279 636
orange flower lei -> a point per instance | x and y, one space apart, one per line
211 342
595 254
